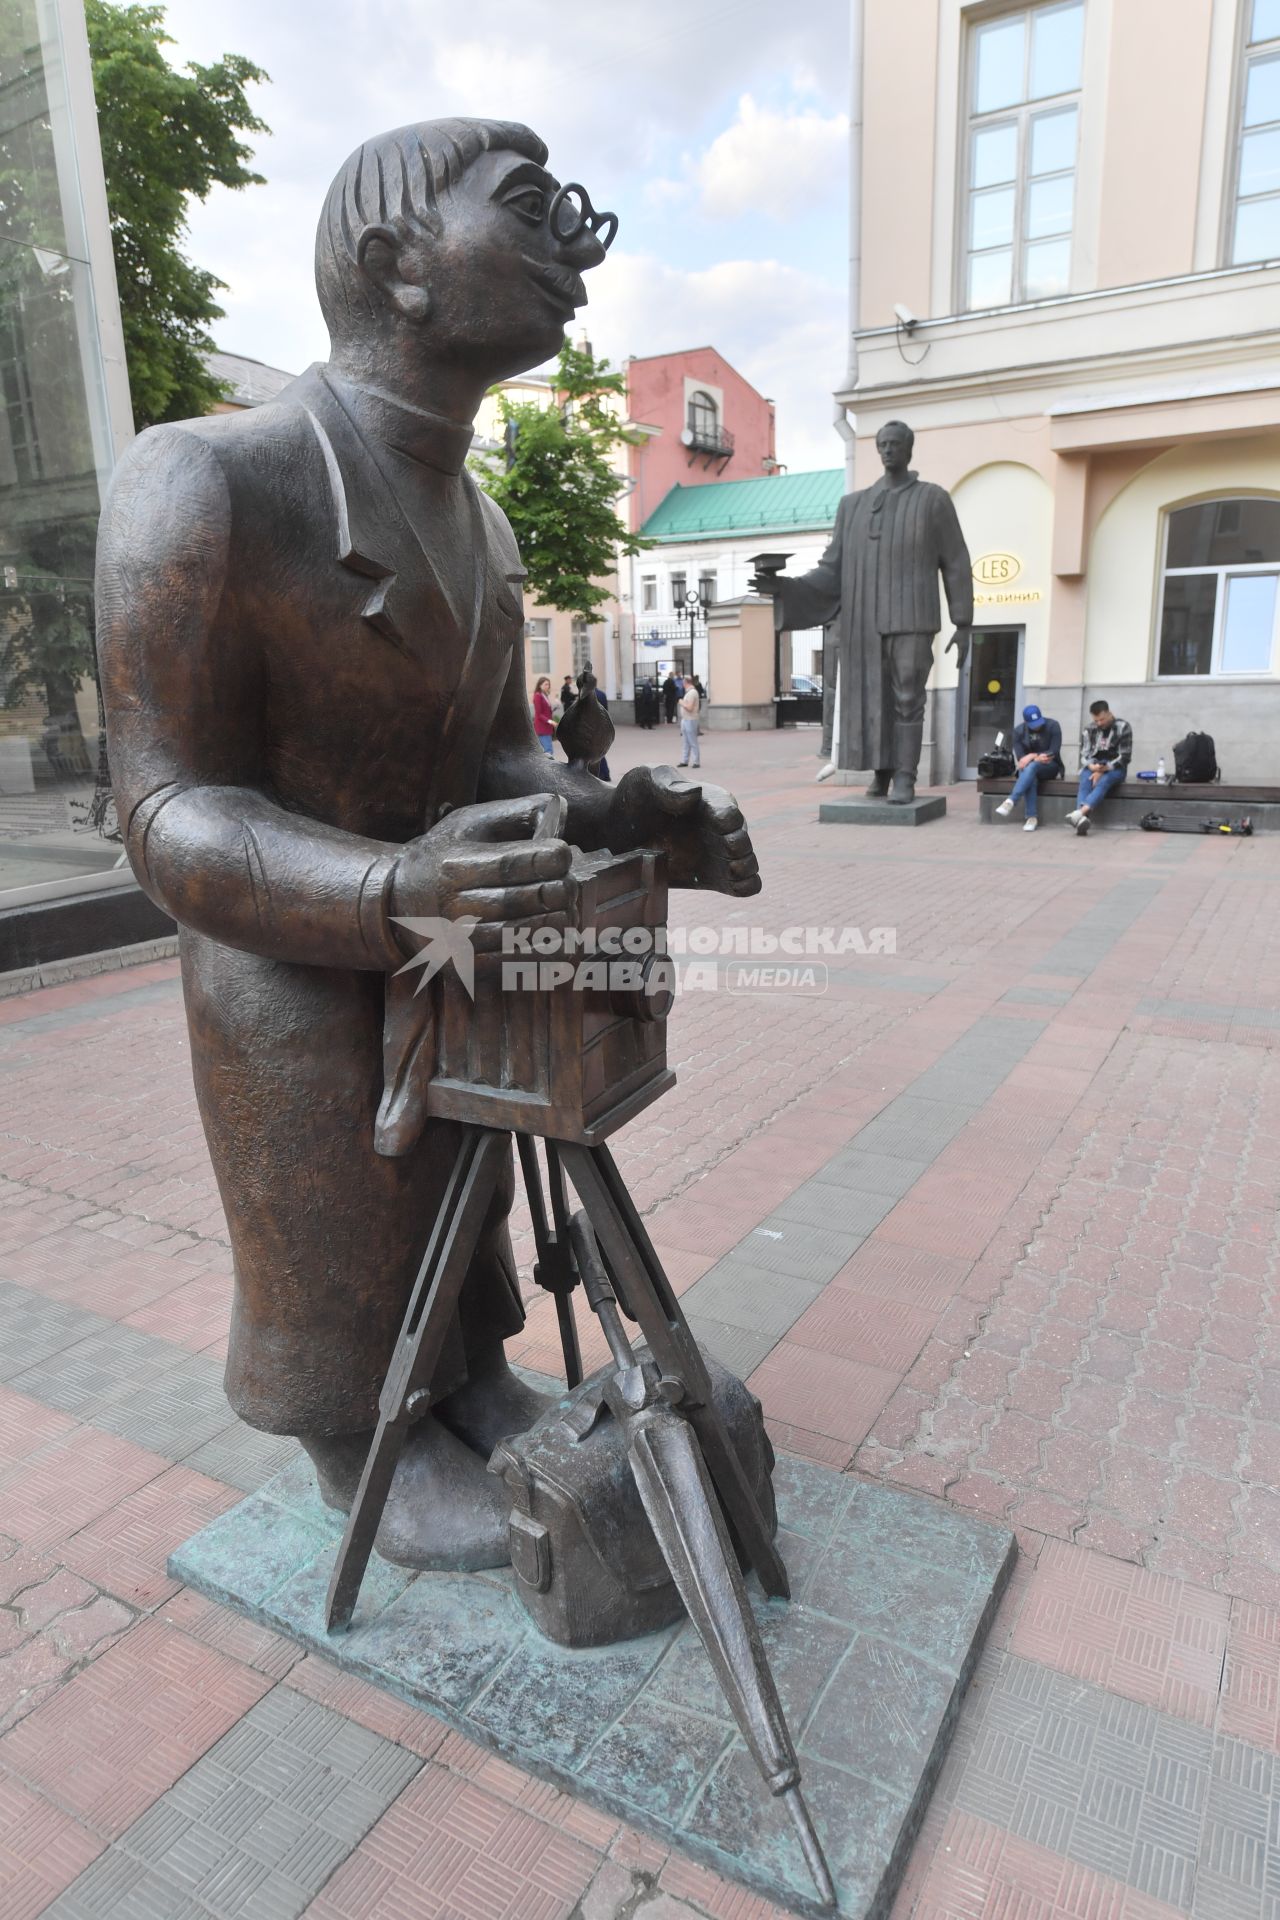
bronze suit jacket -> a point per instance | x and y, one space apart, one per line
279 659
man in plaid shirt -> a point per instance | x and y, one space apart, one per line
1105 752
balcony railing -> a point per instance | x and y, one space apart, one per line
703 436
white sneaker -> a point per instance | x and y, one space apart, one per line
1073 818
1029 826
1005 809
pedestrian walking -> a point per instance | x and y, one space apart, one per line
669 698
689 706
544 724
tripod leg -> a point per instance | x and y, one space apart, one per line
426 1322
555 1266
649 1295
564 1305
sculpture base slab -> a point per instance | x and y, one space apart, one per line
893 1597
878 813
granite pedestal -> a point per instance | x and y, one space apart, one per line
848 811
892 1598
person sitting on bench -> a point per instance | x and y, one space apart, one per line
1104 761
1037 752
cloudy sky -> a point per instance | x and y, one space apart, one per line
715 128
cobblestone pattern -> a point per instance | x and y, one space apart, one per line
1122 1386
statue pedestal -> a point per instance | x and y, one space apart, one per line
851 811
893 1597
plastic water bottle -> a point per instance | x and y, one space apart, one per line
1162 779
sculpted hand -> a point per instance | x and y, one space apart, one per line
476 863
699 828
766 584
960 641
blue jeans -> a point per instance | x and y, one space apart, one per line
1087 795
1027 785
547 742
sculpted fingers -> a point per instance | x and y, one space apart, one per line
511 863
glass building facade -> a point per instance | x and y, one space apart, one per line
63 415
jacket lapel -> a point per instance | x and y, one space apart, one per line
373 537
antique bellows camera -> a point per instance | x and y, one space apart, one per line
574 1043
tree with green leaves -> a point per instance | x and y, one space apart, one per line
560 487
167 134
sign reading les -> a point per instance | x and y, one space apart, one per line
996 569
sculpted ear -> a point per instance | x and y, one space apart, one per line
378 255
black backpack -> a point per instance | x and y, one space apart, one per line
1194 759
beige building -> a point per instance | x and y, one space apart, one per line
1070 288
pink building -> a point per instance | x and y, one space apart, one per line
703 422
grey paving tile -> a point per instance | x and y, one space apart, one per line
842 1209
750 1297
109 1365
741 1349
780 1245
912 1129
1023 995
36 1328
888 1175
241 1456
256 1827
961 1086
1112 1785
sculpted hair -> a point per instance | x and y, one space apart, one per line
902 427
395 180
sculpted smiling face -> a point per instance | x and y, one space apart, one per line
455 234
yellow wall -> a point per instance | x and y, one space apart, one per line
1008 509
1124 560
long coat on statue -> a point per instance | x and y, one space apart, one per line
879 576
283 623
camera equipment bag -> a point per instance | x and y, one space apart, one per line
1194 759
997 764
587 1565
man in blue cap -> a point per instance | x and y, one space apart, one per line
1037 752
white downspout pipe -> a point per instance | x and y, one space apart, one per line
844 426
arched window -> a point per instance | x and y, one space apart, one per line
704 419
1220 602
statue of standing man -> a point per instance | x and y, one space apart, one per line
879 579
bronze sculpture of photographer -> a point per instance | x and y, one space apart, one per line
311 639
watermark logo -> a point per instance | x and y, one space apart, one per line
446 940
652 961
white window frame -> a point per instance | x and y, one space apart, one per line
1222 575
648 593
581 631
1020 117
1250 54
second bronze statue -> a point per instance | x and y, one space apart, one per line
878 582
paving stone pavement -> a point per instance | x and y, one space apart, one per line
992 1218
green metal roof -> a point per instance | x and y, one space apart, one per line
781 503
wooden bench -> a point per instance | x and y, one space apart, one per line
1126 804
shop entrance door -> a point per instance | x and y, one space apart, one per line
990 693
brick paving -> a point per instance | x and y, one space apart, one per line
992 1218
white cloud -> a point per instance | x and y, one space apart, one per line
773 163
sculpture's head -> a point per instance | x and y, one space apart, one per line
453 236
894 443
